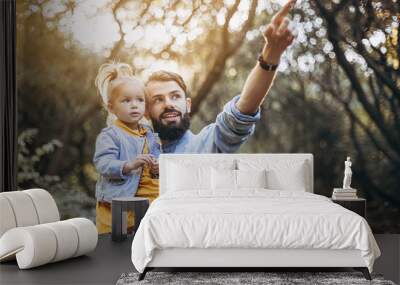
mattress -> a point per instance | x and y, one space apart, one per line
251 219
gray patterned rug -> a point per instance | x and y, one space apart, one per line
230 278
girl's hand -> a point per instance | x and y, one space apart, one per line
154 169
140 161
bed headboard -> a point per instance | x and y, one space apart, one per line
213 158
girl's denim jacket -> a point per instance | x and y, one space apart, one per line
115 147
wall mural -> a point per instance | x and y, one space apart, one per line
133 79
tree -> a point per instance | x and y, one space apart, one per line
367 55
56 97
226 40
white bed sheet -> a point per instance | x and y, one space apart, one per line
251 218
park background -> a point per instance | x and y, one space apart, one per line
337 92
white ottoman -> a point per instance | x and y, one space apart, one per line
31 232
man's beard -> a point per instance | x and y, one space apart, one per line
174 131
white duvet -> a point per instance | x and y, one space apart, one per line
253 218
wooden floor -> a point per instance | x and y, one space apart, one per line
111 259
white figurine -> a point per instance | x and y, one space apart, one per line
347 174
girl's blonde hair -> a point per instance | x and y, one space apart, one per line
110 76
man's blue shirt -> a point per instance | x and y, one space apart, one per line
230 130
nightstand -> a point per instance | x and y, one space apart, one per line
358 206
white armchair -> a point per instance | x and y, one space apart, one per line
31 230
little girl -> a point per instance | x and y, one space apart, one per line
126 151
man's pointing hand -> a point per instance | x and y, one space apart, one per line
277 35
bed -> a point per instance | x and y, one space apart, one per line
246 211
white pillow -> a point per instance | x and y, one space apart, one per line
292 179
282 174
193 173
182 177
230 180
251 178
223 179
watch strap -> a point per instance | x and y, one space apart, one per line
266 66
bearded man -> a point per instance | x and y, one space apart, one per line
169 106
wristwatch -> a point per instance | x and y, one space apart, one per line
266 66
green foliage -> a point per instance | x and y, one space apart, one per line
70 201
27 161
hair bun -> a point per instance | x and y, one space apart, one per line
119 70
107 78
109 72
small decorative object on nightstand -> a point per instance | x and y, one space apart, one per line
345 193
347 174
357 205
119 208
347 196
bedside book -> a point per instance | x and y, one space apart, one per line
342 190
346 194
